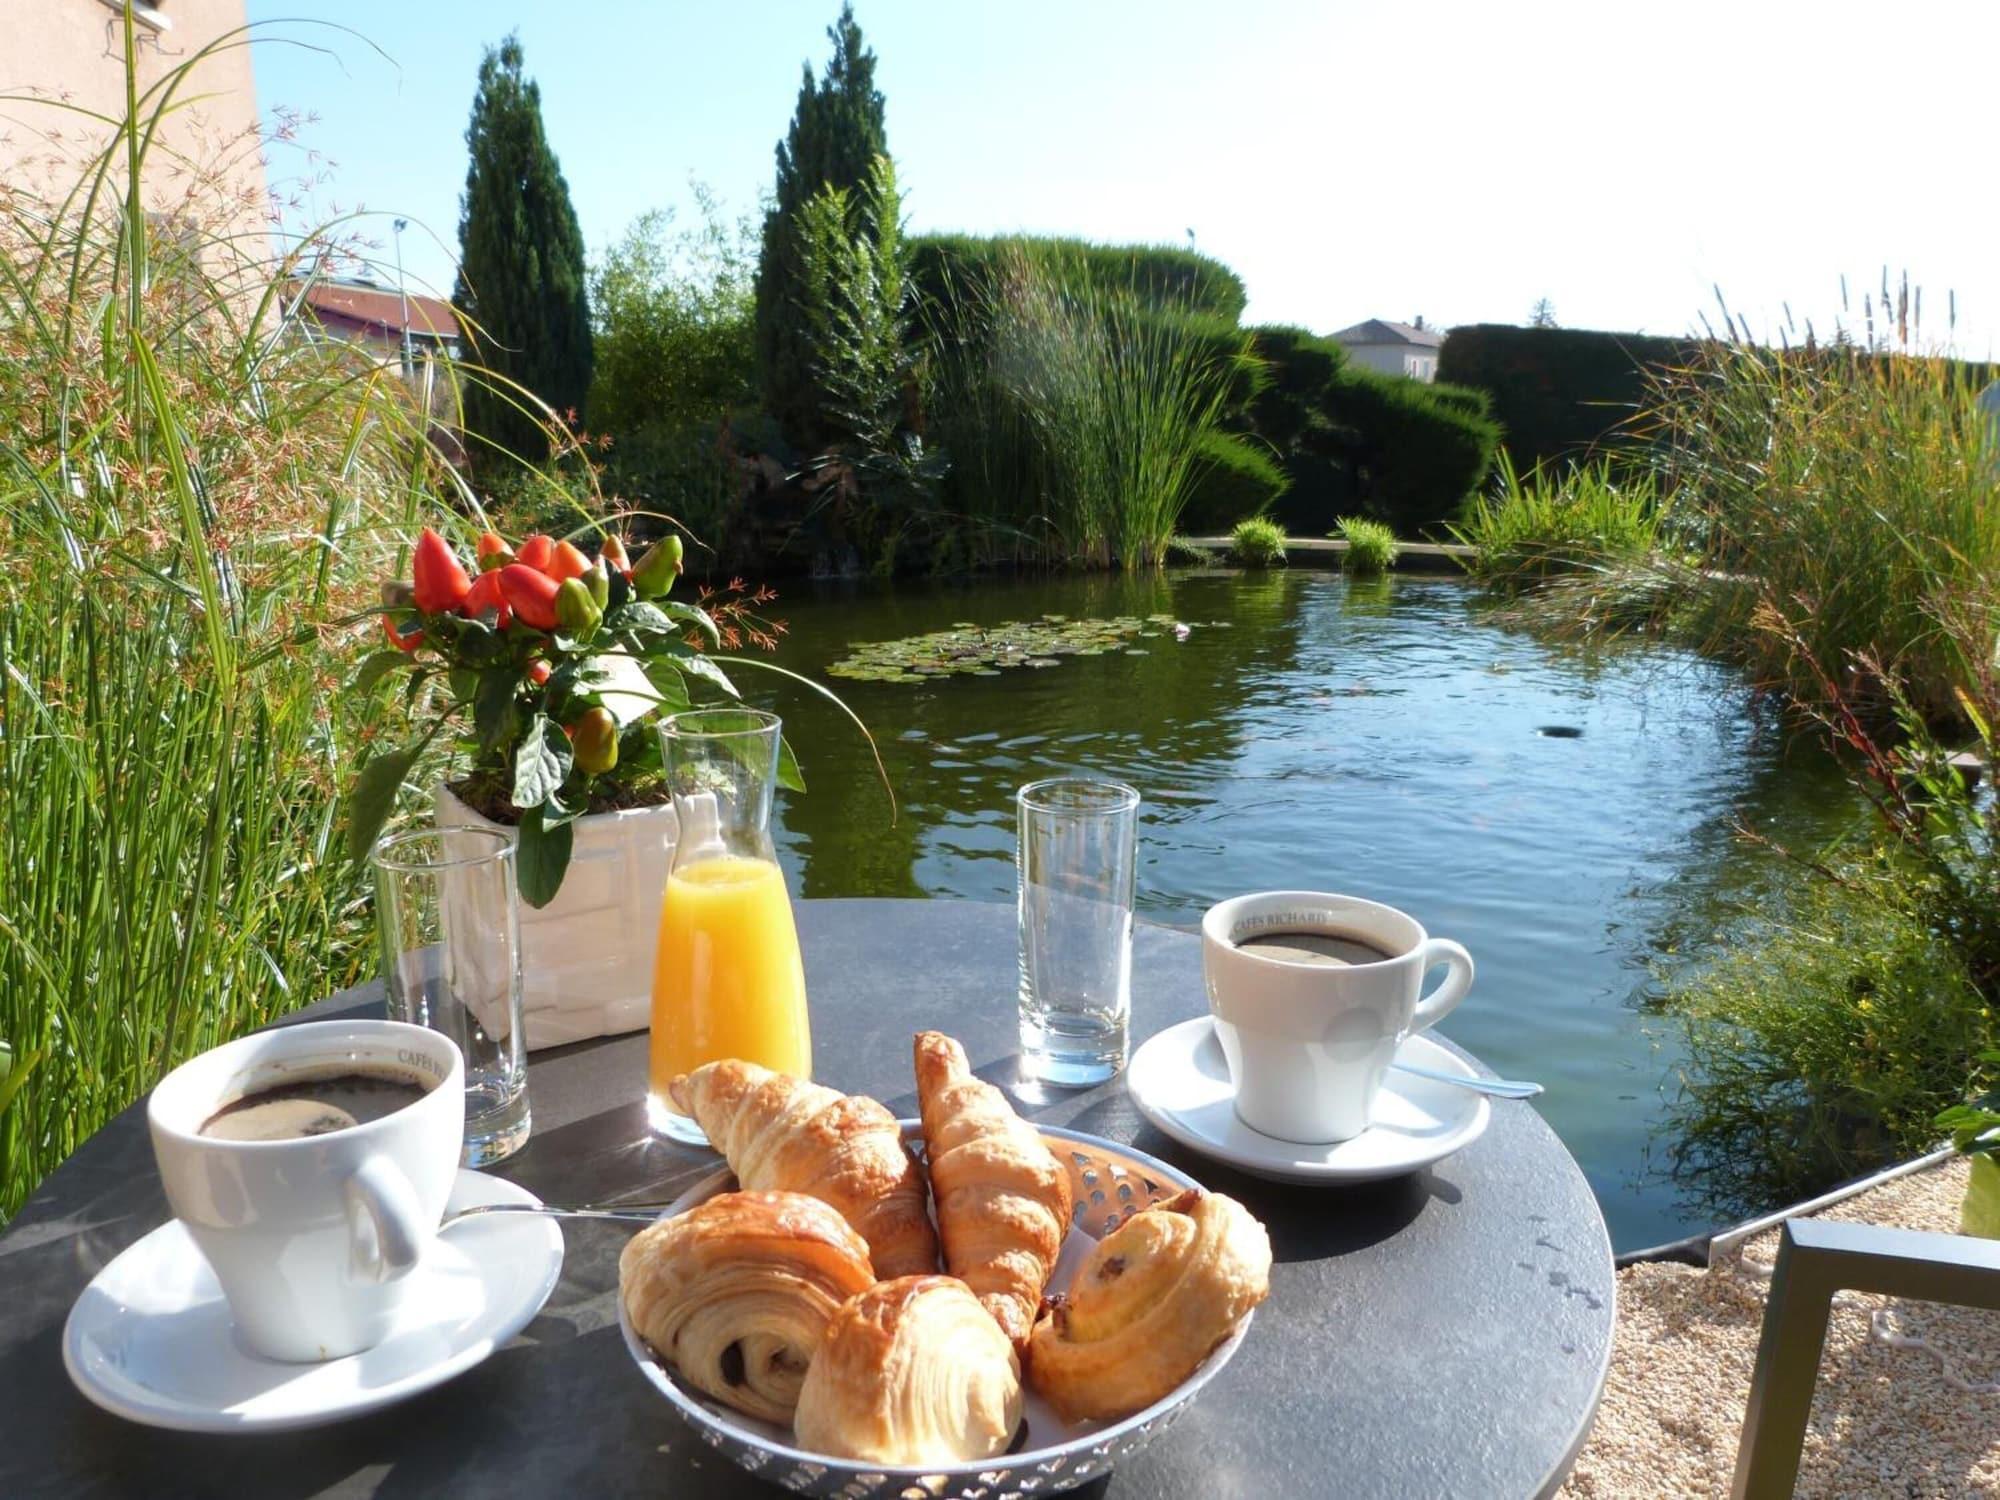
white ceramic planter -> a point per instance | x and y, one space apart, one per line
587 957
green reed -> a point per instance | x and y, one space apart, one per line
1534 526
1076 411
1372 547
194 507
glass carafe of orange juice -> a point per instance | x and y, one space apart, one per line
727 981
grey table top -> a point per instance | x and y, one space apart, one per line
1444 1334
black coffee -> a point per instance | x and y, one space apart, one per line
313 1106
1327 949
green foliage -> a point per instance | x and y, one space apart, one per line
1418 451
1842 503
855 305
1241 479
1557 392
1044 381
522 277
1821 1043
1371 547
674 313
1167 277
1591 516
191 513
1257 543
1351 439
836 135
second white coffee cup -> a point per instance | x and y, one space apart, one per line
313 1238
1308 1043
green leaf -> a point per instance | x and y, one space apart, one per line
694 664
541 764
542 857
641 618
16 1074
790 777
380 664
494 716
374 797
690 614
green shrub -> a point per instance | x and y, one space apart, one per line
1592 516
946 267
1257 543
1557 392
674 318
1419 451
1240 478
1371 547
1820 1044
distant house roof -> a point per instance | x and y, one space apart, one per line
1382 331
369 309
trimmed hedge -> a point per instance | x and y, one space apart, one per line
1353 440
1242 480
1557 391
1166 276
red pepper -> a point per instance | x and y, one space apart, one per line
566 563
613 554
408 642
536 552
530 593
538 672
483 596
493 551
439 580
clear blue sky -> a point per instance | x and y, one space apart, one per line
1348 160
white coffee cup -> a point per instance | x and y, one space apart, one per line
313 1239
1308 1042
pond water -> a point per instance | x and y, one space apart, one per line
1569 816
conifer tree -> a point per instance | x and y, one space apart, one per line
521 273
837 132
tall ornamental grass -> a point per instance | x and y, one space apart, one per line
1838 496
193 505
1051 382
1538 525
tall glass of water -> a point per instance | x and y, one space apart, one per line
451 960
1076 865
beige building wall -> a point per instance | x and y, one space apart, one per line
73 51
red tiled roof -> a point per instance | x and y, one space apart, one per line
380 309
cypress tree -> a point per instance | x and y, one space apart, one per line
837 132
521 273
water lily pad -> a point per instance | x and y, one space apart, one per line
968 650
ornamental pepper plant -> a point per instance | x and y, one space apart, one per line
549 668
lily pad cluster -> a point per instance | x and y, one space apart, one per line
968 650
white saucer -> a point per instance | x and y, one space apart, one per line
1181 1083
150 1338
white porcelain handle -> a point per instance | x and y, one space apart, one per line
1441 1001
385 1225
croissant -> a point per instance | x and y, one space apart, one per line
1003 1200
1148 1305
911 1372
735 1293
788 1135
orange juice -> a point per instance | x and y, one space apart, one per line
727 981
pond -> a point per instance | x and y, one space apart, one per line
1569 816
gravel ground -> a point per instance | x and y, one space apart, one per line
1885 1421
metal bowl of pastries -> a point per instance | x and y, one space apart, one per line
1111 1184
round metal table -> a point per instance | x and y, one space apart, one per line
1443 1334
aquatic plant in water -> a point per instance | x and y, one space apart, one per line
969 650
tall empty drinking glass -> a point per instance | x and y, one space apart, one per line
728 980
1076 868
451 960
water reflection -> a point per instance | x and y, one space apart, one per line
1380 737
